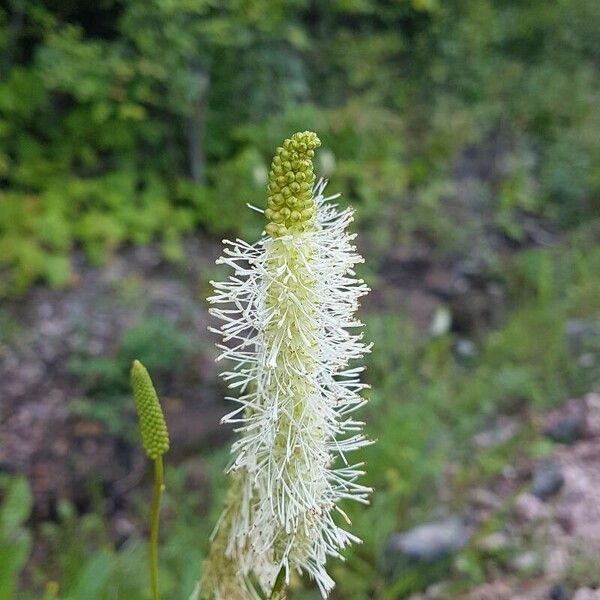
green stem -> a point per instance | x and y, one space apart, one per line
159 487
279 591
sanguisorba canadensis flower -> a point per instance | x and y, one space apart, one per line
289 328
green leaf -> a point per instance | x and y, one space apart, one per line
93 578
16 507
15 542
13 555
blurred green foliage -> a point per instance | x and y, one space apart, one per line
15 539
159 343
131 120
83 563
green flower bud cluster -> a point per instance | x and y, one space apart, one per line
290 206
153 429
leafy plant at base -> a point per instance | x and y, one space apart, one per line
15 539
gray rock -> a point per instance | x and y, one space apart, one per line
592 420
497 590
580 332
558 592
576 329
483 498
504 431
525 562
567 430
437 591
427 543
530 508
558 560
586 594
547 480
465 349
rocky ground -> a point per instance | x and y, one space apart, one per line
43 435
539 523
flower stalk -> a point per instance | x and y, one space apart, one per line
289 329
157 493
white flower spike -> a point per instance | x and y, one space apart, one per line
288 327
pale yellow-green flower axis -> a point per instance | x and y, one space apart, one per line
153 428
290 205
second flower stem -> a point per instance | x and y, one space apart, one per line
159 487
279 591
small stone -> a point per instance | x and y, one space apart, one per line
124 526
547 480
567 430
426 543
502 433
592 404
485 498
557 562
586 594
525 562
437 591
579 332
529 508
564 518
465 349
558 592
498 590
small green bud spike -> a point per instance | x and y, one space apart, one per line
290 206
153 429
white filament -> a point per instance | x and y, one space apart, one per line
288 326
